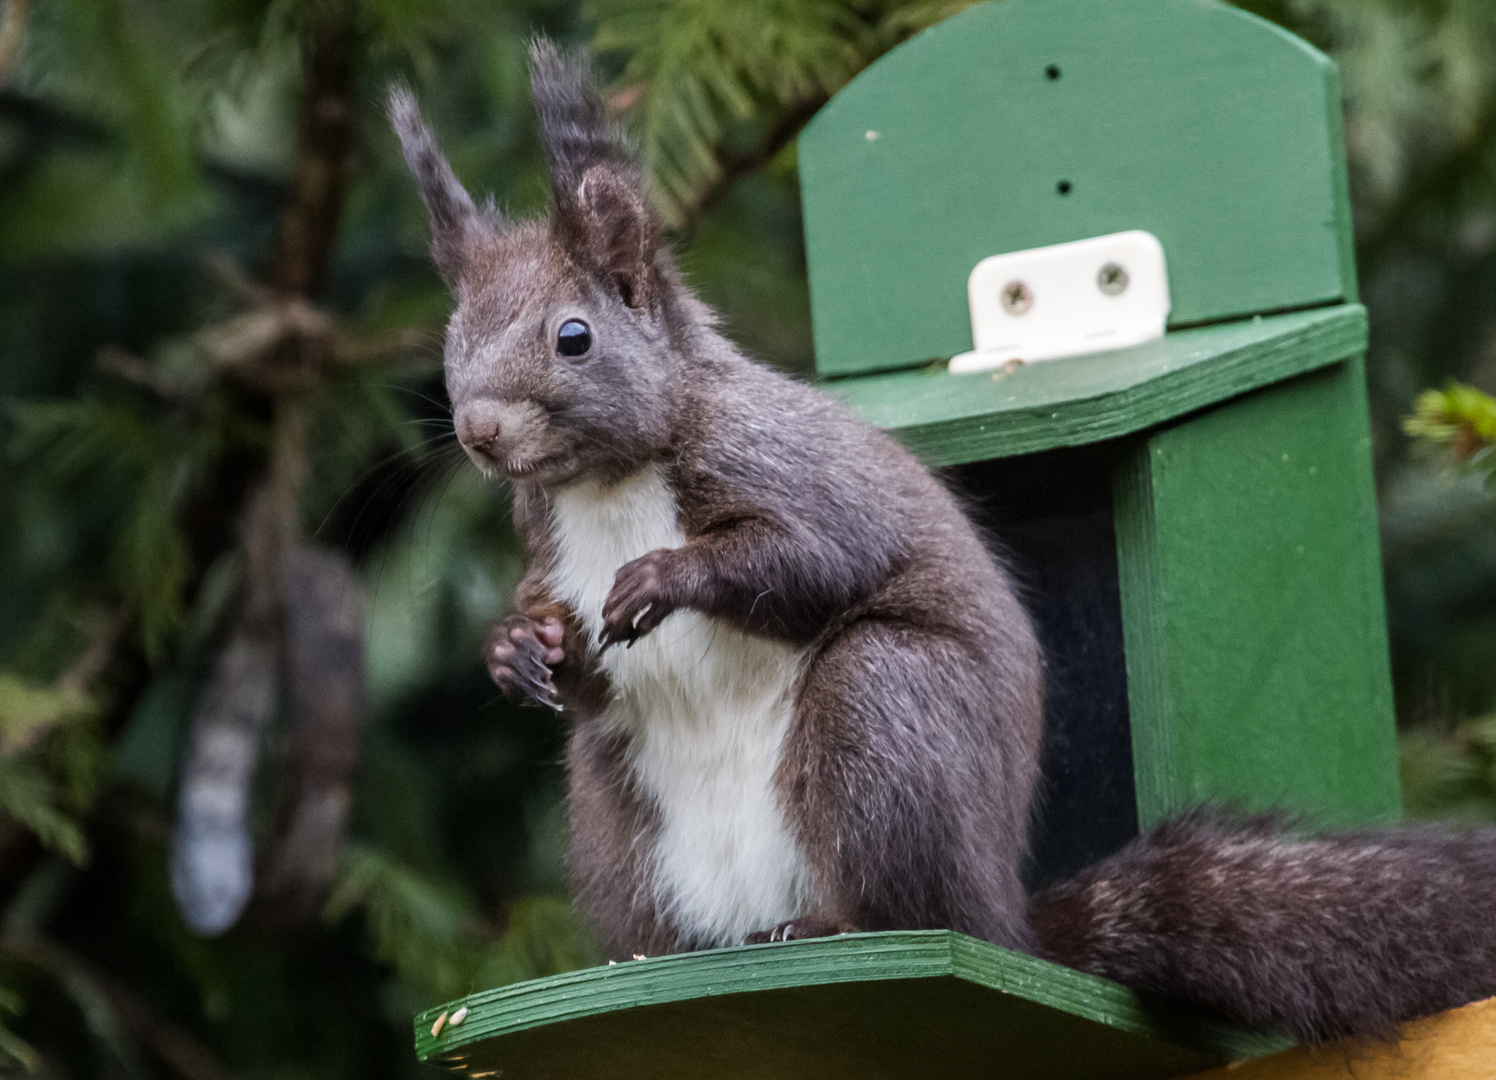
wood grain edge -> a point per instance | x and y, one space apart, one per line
1102 1002
1455 1045
1372 588
662 979
1228 374
1144 641
848 958
1344 228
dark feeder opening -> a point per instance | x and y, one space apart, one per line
1051 515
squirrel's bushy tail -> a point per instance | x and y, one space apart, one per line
1314 936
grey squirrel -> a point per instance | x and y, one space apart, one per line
805 698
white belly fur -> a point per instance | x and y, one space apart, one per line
707 709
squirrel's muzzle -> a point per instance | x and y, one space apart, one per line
507 435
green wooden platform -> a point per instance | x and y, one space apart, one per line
894 1005
949 419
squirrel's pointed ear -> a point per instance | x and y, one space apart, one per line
455 222
606 222
602 214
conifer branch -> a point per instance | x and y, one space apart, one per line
131 1014
733 166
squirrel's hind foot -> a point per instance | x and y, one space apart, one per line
800 930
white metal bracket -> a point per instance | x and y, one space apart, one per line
1086 296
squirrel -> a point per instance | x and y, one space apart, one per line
805 697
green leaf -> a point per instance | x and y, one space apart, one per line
141 464
1458 421
421 925
30 796
710 78
29 710
15 1048
696 68
544 937
12 1046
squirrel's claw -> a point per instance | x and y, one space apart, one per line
543 692
638 602
520 654
801 929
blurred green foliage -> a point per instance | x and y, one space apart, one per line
1461 421
147 151
1451 775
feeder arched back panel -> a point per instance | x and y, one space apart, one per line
1024 123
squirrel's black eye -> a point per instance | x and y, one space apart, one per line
573 339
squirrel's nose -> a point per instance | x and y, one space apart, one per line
479 427
508 434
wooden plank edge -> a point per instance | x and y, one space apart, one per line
865 957
682 976
1455 1045
1171 394
1248 331
1103 1002
1143 641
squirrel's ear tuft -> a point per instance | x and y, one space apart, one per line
602 214
455 221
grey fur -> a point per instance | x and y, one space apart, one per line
1318 936
455 221
602 216
909 769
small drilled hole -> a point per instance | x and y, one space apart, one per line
1063 187
1053 72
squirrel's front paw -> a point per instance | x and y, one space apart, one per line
521 652
639 601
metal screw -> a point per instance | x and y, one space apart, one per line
1112 279
1017 298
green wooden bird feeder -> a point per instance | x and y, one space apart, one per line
1193 517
